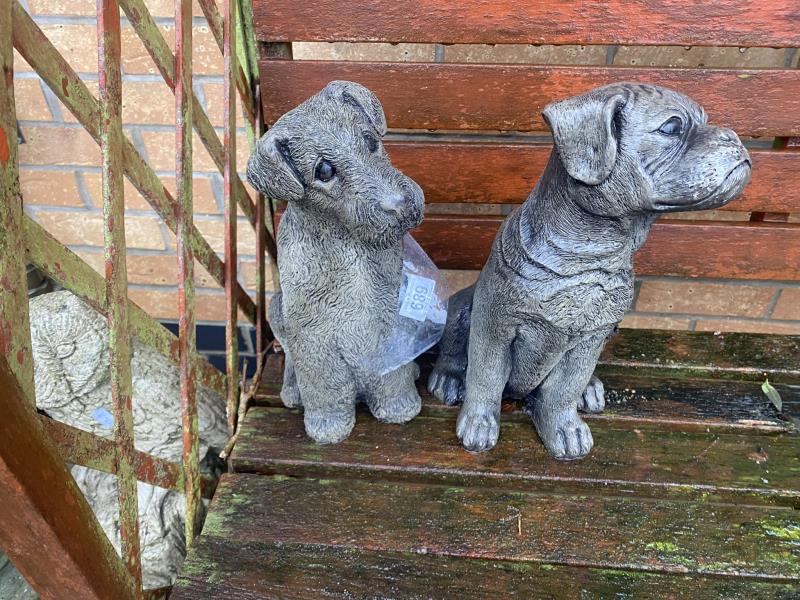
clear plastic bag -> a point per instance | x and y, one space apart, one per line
422 311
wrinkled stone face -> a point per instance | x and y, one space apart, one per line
640 148
326 156
689 164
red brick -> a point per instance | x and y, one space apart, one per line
76 43
204 201
58 146
20 64
29 101
788 306
150 102
215 108
160 146
214 232
83 228
247 274
133 199
206 56
458 280
51 188
151 270
63 7
634 321
135 57
748 326
164 304
700 298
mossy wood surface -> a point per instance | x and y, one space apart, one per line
692 490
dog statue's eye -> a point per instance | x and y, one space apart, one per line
372 142
324 171
672 126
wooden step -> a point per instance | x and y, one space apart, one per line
506 539
644 459
223 569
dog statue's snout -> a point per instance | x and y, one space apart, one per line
395 203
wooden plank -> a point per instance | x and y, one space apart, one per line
49 530
634 398
737 250
742 356
653 22
498 173
220 569
119 335
648 461
511 97
663 536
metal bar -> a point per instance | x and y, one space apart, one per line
15 333
165 62
66 268
262 327
40 53
119 338
88 450
184 107
50 533
229 142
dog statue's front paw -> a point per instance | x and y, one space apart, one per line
564 434
593 399
328 427
399 409
478 428
447 387
290 396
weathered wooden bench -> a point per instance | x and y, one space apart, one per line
693 487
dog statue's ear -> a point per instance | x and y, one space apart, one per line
362 100
271 169
584 133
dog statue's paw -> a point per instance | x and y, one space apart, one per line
328 427
399 409
290 396
448 388
593 399
478 429
564 434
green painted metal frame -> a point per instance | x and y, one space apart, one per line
102 119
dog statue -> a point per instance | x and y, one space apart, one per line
559 278
340 257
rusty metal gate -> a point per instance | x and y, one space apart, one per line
53 537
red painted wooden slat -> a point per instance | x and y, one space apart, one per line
753 102
649 22
506 173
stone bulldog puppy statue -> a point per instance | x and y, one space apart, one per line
340 257
560 278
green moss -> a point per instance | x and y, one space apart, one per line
663 547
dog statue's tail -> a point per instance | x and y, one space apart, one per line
446 381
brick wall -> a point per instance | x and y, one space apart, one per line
60 174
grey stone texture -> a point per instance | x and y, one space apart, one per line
340 257
560 276
73 385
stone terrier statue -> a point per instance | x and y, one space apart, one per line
340 257
559 278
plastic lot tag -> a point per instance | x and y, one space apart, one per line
421 315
